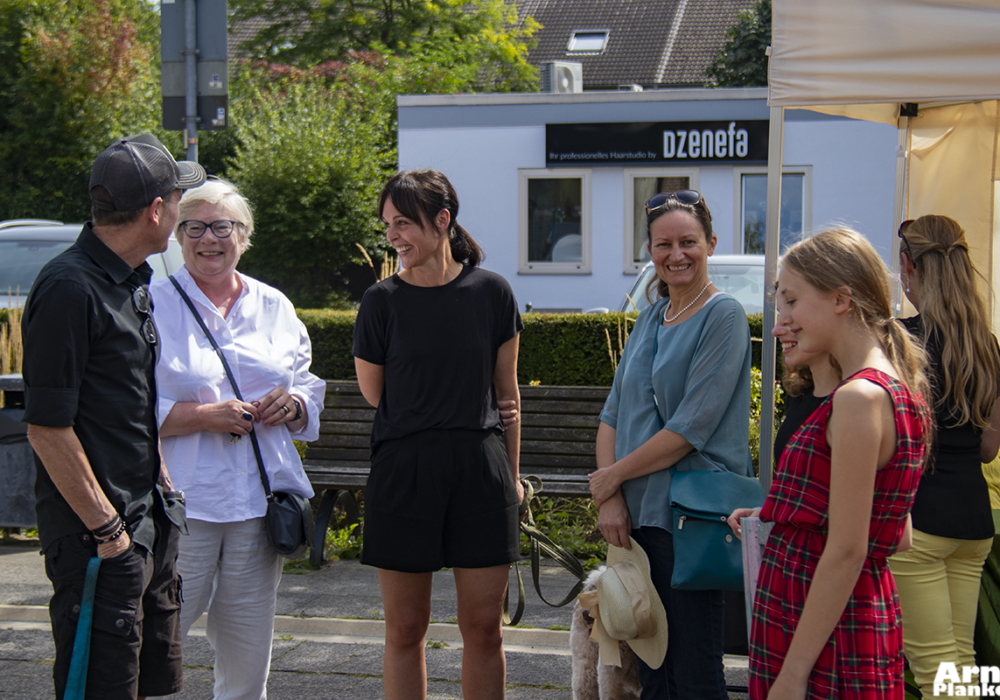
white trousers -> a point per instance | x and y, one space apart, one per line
231 570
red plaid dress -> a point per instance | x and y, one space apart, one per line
864 656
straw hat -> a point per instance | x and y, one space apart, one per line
629 608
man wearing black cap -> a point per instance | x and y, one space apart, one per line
101 489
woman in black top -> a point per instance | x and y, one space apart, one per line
435 349
938 578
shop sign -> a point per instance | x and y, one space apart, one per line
657 143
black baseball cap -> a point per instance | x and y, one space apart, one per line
136 170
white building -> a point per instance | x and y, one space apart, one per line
552 186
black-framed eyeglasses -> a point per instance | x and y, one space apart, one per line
902 232
142 304
658 201
223 228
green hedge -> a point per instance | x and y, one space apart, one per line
556 349
332 334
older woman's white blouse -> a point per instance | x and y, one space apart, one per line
267 346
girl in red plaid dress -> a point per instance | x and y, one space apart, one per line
826 613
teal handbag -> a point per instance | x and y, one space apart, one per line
707 555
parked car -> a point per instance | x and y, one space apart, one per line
739 275
27 244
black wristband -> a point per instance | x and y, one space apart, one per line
108 527
298 409
112 537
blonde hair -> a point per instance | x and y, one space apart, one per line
839 257
217 191
954 314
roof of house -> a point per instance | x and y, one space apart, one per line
652 43
247 29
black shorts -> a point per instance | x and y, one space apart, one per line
135 643
440 498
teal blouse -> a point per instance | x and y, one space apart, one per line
699 380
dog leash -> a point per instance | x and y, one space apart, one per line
77 683
539 543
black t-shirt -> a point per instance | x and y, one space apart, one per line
439 348
797 412
88 366
953 499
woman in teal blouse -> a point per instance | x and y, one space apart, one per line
680 402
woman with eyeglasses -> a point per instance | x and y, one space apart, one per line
680 401
228 565
938 578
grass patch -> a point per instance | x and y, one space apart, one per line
340 544
343 544
571 523
297 566
18 536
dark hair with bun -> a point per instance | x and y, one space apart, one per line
421 195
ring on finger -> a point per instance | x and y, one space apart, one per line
285 409
247 415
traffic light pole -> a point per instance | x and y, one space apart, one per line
191 79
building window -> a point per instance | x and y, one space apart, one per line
796 207
554 222
587 41
641 184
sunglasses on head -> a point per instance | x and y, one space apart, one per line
902 231
689 197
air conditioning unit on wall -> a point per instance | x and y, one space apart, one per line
561 77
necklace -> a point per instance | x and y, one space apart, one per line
670 320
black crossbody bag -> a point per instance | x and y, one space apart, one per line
289 518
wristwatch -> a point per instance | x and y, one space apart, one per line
298 409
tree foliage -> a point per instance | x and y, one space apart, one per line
74 75
310 155
310 148
483 40
742 62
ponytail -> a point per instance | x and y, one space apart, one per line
837 258
463 248
910 360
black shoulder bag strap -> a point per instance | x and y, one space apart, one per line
232 380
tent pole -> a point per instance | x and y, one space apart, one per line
775 146
899 207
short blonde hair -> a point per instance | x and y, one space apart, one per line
217 191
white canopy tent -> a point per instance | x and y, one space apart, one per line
932 67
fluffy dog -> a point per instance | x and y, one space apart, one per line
591 680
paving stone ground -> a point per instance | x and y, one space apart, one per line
331 660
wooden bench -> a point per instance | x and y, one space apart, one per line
558 432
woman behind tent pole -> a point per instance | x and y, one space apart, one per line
938 578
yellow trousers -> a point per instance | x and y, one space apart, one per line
938 584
